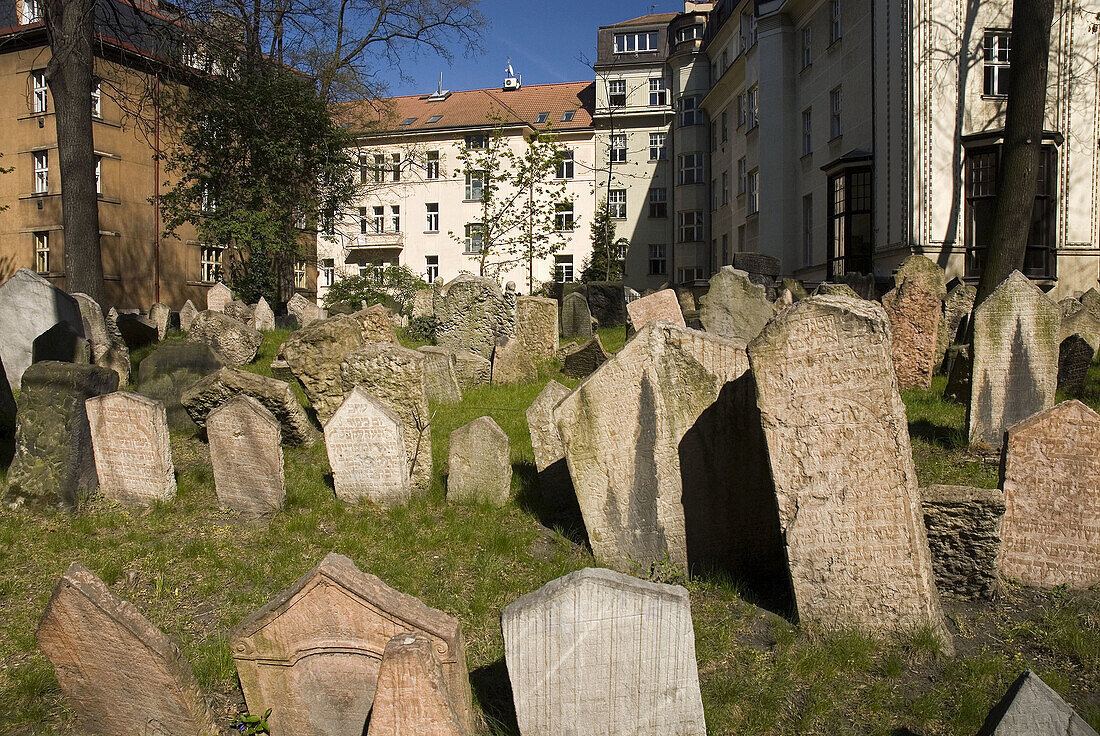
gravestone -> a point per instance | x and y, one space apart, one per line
662 305
7 415
862 284
170 370
512 363
217 388
440 375
217 296
537 326
963 525
234 342
239 311
306 310
582 360
30 305
187 315
1069 306
1014 364
120 674
376 324
956 310
1032 708
1084 322
762 269
422 303
598 652
606 302
263 317
828 289
479 464
576 319
315 650
472 314
160 313
798 291
1075 355
1052 510
137 330
54 462
367 451
412 695
555 485
60 343
472 370
133 453
247 455
925 272
95 327
838 440
915 314
117 355
734 306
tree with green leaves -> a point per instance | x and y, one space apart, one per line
604 263
394 286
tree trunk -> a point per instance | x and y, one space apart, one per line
69 28
1017 174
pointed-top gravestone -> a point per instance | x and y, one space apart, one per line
367 451
120 674
315 649
160 313
133 453
599 652
413 696
306 310
263 318
217 296
187 315
576 319
479 463
247 455
554 483
734 306
1014 365
924 271
662 305
30 305
537 326
1084 322
1032 708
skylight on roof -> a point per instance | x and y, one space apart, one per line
567 115
408 121
542 117
433 119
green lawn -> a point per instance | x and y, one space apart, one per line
196 572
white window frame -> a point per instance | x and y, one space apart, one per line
432 168
299 274
475 185
563 217
378 219
474 240
616 93
632 43
40 92
563 269
41 179
617 148
657 146
835 102
690 111
42 251
97 99
395 164
363 220
689 33
395 217
431 269
658 202
431 217
99 175
616 203
477 142
565 164
996 62
326 274
210 262
834 21
30 11
752 190
658 93
752 107
379 168
690 226
691 168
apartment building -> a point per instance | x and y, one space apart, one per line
420 205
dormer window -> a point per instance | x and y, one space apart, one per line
567 116
408 121
627 43
541 118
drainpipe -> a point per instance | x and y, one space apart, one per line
156 188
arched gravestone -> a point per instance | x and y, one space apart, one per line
599 652
30 305
133 452
1051 529
217 296
838 441
247 455
472 314
1014 369
367 452
576 319
316 647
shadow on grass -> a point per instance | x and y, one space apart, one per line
949 438
550 497
494 692
7 452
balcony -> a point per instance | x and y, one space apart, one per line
369 247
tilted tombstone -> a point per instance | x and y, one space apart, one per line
838 443
798 291
599 652
133 452
239 311
555 485
117 355
915 314
1014 365
606 301
926 272
263 317
187 315
1032 708
1051 530
233 341
479 463
413 695
217 296
160 313
537 326
95 326
306 310
440 375
120 674
576 319
54 462
862 284
171 369
512 363
215 389
472 370
956 309
315 649
247 456
662 305
30 305
1084 322
62 344
734 306
582 360
366 450
1075 355
472 314
137 330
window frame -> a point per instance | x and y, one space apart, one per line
652 42
690 114
658 95
563 268
616 203
841 222
41 240
994 70
807 131
658 146
431 167
564 169
210 268
836 129
431 268
326 272
807 48
752 192
693 163
41 179
658 259
475 184
40 92
617 154
690 226
616 93
563 217
431 217
474 236
658 202
835 29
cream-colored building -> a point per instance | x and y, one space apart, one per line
420 208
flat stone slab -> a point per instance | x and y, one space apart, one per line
1032 708
133 451
247 454
600 652
662 305
479 464
413 695
30 305
217 388
366 450
537 326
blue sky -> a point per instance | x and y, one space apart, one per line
546 41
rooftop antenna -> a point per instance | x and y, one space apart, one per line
511 80
440 93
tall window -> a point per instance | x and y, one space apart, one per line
379 219
834 114
299 274
395 217
691 226
41 172
748 30
210 263
616 203
432 217
725 248
97 99
40 92
326 274
850 222
742 175
396 161
477 141
563 269
807 48
725 126
996 50
616 93
725 187
563 217
658 202
431 269
475 185
713 194
690 112
689 33
808 230
565 165
379 168
30 11
658 95
658 264
752 107
626 43
834 21
752 203
364 169
474 238
807 132
433 165
42 252
657 146
691 168
618 148
99 175
742 108
362 219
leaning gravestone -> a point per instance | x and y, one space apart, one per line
133 453
956 309
117 355
1032 708
1015 359
263 317
62 344
964 536
576 320
661 305
537 326
606 301
579 361
231 340
479 464
170 370
1084 322
217 296
247 455
838 441
30 305
54 462
798 291
413 696
367 451
472 370
1052 511
512 363
915 314
95 327
306 310
239 311
734 306
554 483
137 330
187 315
924 271
599 652
472 314
315 650
120 674
217 388
1075 355
440 375
160 313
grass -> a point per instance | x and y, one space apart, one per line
196 572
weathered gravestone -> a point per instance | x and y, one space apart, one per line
7 416
829 289
440 375
555 485
60 343
576 319
662 305
1014 365
838 442
479 463
1032 708
231 340
30 305
217 296
160 313
925 272
762 269
1069 306
1084 322
1075 355
315 649
599 652
171 369
606 302
412 696
512 363
95 327
54 462
798 291
247 455
263 317
582 360
915 314
1051 530
366 450
422 303
187 315
956 310
537 326
137 330
133 453
964 536
735 307
306 310
472 370
120 674
217 388
472 314
239 311
117 355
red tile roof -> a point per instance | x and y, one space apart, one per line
646 20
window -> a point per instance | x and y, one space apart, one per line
364 169
807 48
408 121
725 61
433 119
396 159
541 118
752 107
42 252
658 265
618 148
689 33
563 269
996 51
691 168
475 185
40 92
725 126
209 202
395 217
713 195
616 93
725 187
834 113
808 230
97 99
210 263
474 238
622 245
30 11
742 175
433 165
834 21
431 269
327 272
742 108
713 137
563 217
752 186
850 222
477 141
684 275
725 248
362 219
807 132
299 274
658 202
565 164
379 219
99 175
626 43
691 226
567 116
41 172
690 112
432 212
379 168
616 203
658 95
748 31
657 147
740 238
